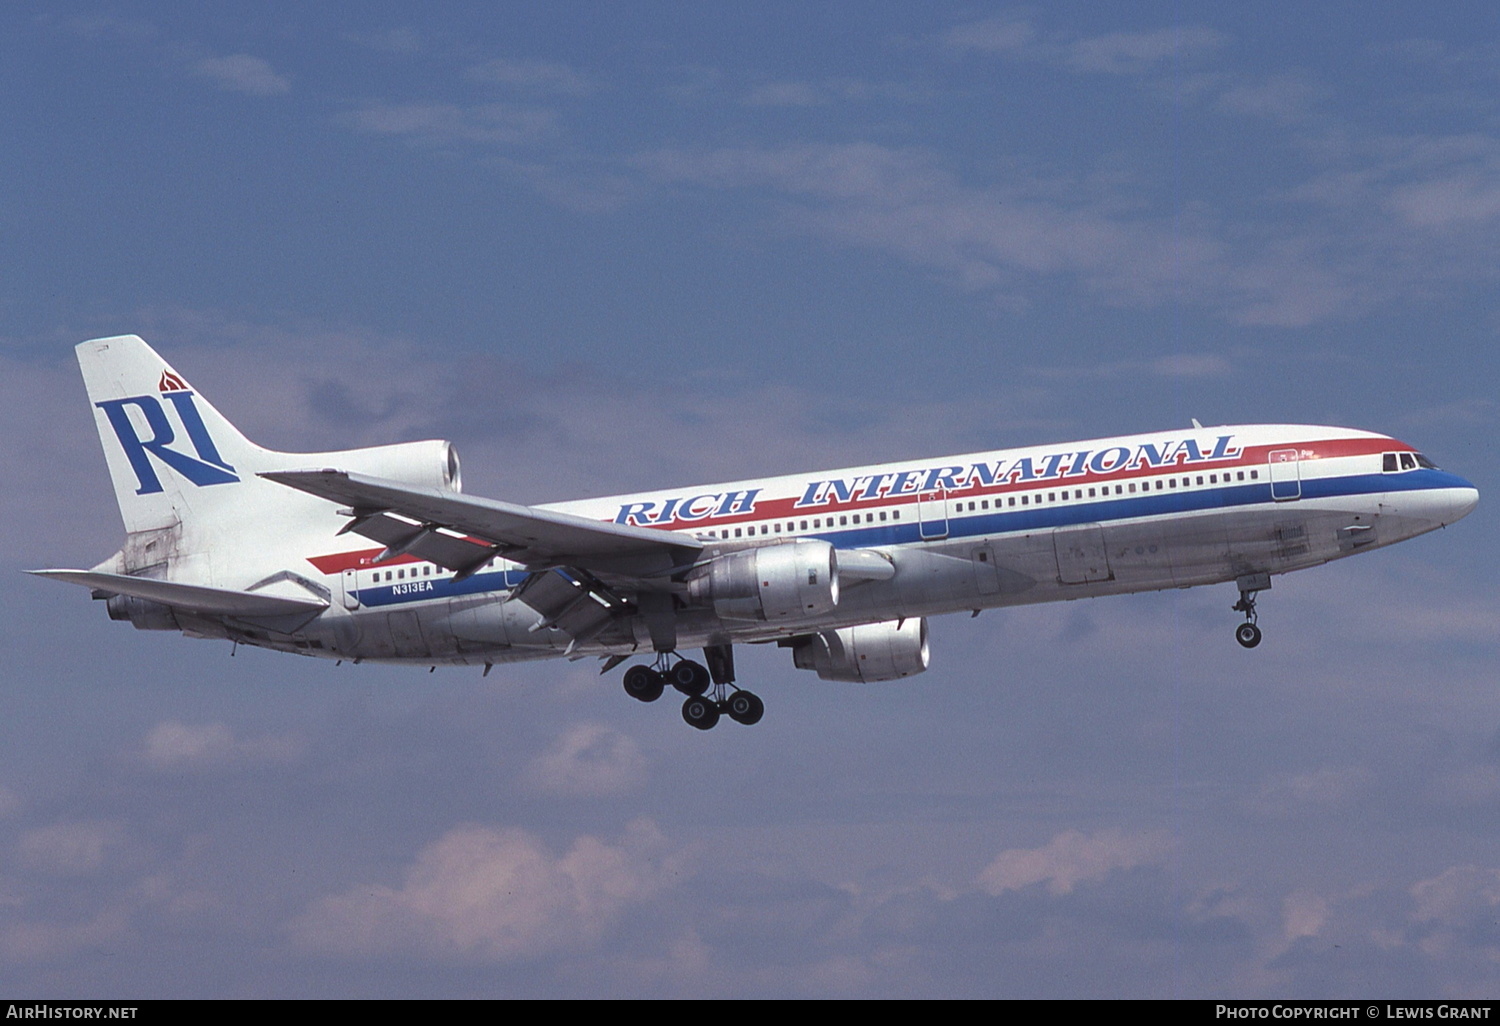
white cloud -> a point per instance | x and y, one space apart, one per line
242 73
1072 858
1449 201
396 40
488 123
999 34
785 94
482 894
998 236
1115 53
1456 895
77 848
589 759
1303 914
35 941
1121 53
175 745
1285 98
535 75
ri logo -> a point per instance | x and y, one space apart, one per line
205 467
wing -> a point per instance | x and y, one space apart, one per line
463 533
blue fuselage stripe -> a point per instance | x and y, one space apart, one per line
992 524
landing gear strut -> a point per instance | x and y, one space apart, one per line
1247 633
710 690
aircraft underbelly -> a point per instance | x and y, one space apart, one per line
936 577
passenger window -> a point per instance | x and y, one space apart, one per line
1119 489
1200 478
1091 493
895 514
1023 500
737 532
1132 488
1051 496
1254 475
882 515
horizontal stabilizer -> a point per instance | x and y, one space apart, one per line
195 598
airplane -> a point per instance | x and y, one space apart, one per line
377 555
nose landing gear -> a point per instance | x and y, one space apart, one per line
1247 633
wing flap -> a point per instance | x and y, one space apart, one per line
195 598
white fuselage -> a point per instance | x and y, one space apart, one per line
984 530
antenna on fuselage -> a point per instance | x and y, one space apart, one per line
1196 424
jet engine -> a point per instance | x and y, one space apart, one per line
793 581
142 613
866 653
429 464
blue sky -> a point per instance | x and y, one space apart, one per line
613 247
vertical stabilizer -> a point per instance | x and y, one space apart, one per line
173 458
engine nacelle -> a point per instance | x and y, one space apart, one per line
793 581
429 464
143 613
866 653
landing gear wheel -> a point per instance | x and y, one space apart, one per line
1247 634
700 712
643 683
744 707
689 677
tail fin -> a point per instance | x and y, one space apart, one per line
171 455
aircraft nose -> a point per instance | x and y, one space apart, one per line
1446 499
1453 501
1465 498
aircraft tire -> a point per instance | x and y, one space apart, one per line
689 677
1247 634
745 707
643 683
700 712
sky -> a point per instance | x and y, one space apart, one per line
609 248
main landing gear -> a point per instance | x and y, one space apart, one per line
1247 633
710 690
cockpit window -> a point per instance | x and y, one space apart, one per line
1395 462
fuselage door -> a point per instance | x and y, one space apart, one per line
932 514
351 589
1081 556
1286 475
